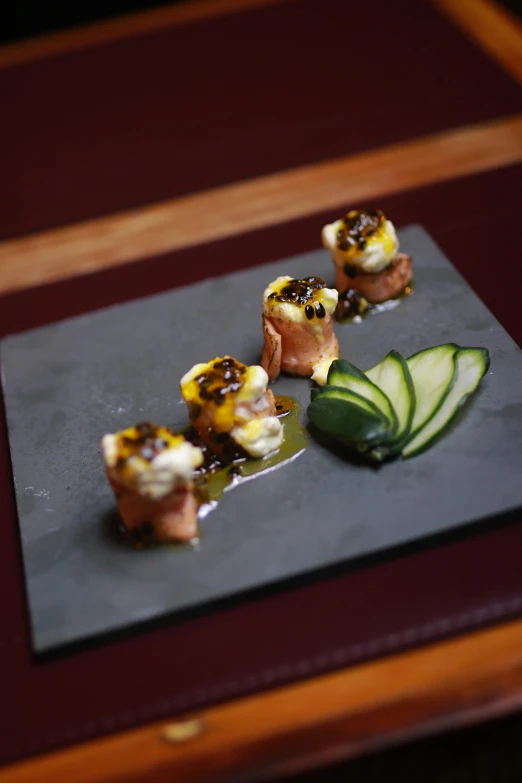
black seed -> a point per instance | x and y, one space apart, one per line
350 303
358 226
309 312
350 270
319 309
299 291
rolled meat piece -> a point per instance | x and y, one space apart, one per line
298 325
365 251
150 470
231 408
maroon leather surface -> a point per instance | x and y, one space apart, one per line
406 599
178 110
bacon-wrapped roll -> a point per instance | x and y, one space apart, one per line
150 470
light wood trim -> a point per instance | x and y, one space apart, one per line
490 25
127 236
122 27
329 718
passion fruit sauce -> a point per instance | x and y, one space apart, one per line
216 479
353 308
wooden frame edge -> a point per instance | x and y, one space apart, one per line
490 25
159 228
493 27
119 27
333 717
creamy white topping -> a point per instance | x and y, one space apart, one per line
156 478
295 313
198 369
255 385
109 445
320 373
244 411
167 470
259 436
379 252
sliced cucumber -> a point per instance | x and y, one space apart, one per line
348 417
470 366
346 375
347 395
393 377
399 407
432 372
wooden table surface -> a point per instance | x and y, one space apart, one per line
353 711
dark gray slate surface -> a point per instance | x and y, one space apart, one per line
67 384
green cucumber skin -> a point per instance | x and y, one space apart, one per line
344 367
341 367
401 438
429 443
346 422
434 348
357 422
484 353
408 380
347 396
446 391
485 356
413 434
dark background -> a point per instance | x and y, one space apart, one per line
25 18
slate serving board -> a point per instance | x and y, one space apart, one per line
67 384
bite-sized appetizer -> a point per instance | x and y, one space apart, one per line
150 470
365 250
231 408
298 325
